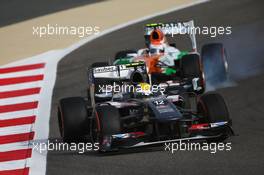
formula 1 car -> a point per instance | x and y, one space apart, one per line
211 66
127 106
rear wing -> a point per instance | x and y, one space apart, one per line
171 29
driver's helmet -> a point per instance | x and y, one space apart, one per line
157 42
157 37
143 89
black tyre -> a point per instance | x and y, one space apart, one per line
213 108
73 119
106 123
214 63
123 53
190 67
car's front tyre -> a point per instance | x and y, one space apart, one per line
106 122
73 119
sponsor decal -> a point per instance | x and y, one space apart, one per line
105 69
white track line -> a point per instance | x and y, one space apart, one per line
41 126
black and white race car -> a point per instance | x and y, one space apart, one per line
134 103
125 109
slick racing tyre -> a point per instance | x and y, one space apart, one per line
213 108
73 119
214 63
190 67
106 122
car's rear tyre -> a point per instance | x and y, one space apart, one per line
105 124
73 119
190 67
214 63
212 107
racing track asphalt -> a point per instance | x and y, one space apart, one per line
245 100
